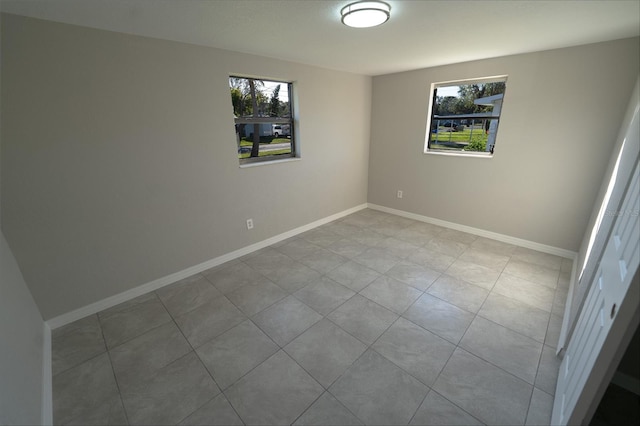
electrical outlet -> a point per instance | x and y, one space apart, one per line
249 223
399 194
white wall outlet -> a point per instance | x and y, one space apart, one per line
399 194
249 223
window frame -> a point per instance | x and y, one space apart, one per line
430 116
251 120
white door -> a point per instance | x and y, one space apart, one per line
581 368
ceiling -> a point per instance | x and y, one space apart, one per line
419 34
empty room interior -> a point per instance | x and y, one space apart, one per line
264 212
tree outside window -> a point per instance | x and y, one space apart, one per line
263 119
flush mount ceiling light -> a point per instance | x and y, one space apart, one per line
364 14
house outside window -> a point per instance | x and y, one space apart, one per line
263 118
464 116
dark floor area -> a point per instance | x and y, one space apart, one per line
618 407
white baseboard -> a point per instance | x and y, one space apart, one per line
47 379
481 232
100 305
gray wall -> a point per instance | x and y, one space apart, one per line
22 343
21 351
119 157
561 115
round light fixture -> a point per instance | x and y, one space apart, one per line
364 14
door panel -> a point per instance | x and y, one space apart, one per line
614 274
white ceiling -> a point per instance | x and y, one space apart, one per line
419 34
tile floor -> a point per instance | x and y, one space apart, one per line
371 319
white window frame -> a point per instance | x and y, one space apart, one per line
290 121
430 117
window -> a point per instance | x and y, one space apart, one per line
464 116
263 119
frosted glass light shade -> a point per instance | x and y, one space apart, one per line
364 14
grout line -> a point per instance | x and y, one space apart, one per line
199 359
115 379
462 409
310 405
193 412
421 402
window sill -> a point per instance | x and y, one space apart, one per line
460 154
266 163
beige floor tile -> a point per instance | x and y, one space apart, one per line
483 390
504 348
438 411
362 318
75 343
277 392
516 315
458 292
391 293
286 320
235 352
473 273
327 411
325 351
323 295
397 395
417 351
528 292
439 317
415 275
